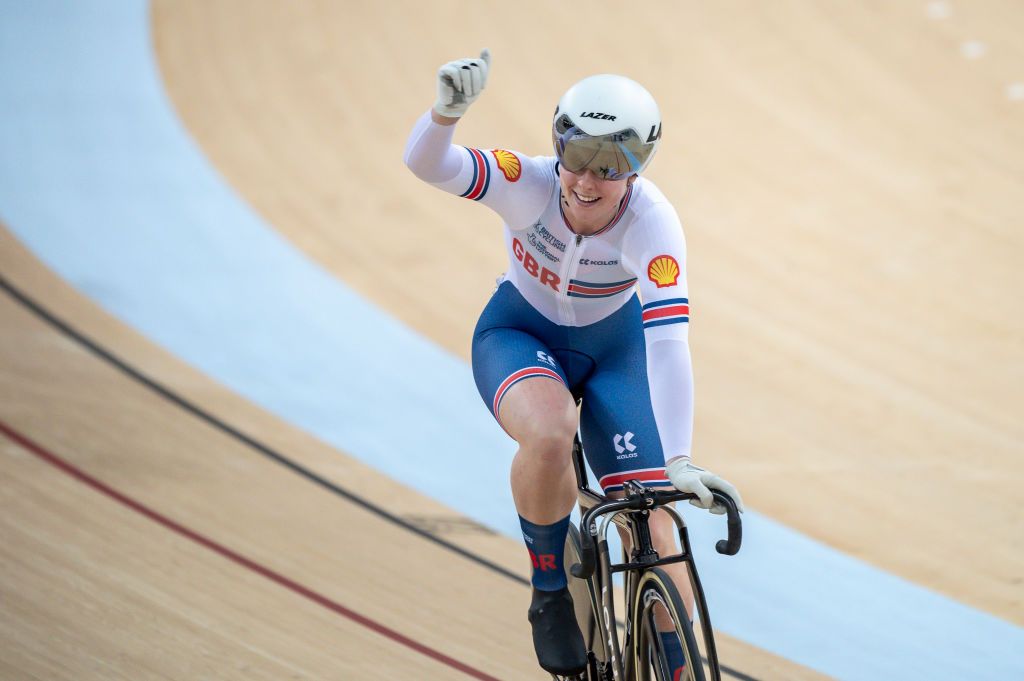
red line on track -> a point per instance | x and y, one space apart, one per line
340 609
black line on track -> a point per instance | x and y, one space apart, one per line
263 449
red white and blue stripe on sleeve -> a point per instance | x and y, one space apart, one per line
481 175
670 311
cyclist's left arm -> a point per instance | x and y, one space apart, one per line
655 250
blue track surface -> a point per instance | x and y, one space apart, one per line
101 181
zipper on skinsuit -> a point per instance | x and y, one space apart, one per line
565 312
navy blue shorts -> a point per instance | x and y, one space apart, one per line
605 363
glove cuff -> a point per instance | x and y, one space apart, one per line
676 465
450 112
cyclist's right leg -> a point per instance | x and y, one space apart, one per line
525 388
541 415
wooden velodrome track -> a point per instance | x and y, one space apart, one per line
847 182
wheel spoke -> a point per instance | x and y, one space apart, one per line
658 648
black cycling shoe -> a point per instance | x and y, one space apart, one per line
556 635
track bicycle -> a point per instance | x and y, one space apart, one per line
651 598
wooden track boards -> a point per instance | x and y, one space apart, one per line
94 590
870 164
849 189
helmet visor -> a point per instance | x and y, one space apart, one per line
615 156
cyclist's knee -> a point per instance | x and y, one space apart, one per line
549 436
542 418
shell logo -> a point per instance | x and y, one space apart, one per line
663 271
508 163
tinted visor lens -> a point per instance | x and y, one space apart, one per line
610 157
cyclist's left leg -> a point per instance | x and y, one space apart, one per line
620 437
625 448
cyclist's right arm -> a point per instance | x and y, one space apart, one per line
516 187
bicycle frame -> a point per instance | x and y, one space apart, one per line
631 513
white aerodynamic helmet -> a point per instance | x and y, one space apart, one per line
607 123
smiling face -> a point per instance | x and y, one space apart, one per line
590 202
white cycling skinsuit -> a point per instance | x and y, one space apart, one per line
568 308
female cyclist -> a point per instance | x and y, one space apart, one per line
585 234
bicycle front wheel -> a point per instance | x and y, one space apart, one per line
665 648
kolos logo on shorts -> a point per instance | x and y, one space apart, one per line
624 446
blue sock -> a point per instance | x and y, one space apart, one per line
674 653
546 544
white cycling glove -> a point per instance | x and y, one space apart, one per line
689 478
459 83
